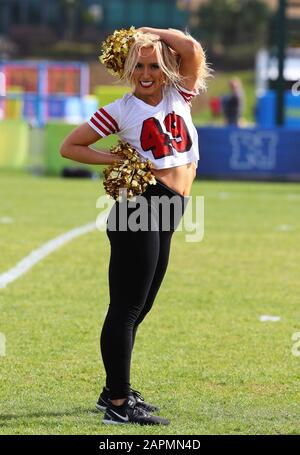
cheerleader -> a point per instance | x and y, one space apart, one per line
166 70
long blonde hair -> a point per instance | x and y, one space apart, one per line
168 61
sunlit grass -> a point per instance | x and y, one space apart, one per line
202 354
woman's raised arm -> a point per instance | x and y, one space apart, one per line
189 50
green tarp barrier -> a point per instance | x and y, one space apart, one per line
108 93
55 134
14 143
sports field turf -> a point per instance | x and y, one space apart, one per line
202 353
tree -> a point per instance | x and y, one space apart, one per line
70 8
224 23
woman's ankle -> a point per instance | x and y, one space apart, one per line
118 402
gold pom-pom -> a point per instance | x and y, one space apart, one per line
133 174
115 49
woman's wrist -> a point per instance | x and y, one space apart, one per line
175 39
146 30
161 31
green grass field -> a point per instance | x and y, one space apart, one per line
202 353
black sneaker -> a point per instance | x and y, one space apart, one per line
103 400
130 412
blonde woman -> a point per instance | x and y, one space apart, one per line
166 69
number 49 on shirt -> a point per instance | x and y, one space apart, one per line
161 144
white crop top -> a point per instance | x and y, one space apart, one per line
164 134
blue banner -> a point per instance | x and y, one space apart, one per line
249 153
266 110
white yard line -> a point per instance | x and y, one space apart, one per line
265 318
47 248
224 195
293 196
6 220
285 227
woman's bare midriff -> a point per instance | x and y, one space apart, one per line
178 178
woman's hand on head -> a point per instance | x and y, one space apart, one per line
143 30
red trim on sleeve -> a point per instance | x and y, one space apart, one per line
97 125
187 95
102 120
110 118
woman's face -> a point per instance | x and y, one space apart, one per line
147 76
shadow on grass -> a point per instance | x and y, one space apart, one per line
74 412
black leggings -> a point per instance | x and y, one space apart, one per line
138 263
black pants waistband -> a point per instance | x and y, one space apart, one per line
161 189
163 213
